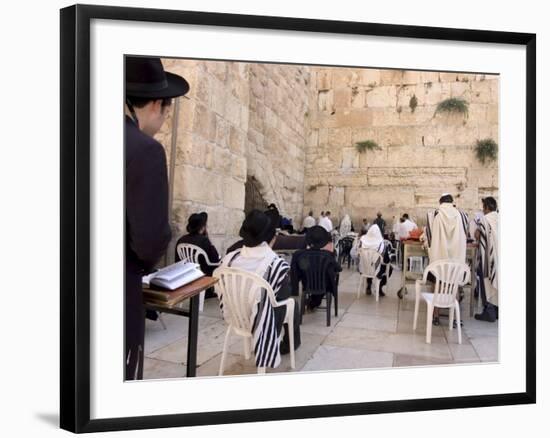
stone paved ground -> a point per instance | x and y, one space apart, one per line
365 334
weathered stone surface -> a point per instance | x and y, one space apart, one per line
233 193
198 185
420 176
350 158
382 97
379 197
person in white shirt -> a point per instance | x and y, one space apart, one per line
325 222
395 228
405 227
309 221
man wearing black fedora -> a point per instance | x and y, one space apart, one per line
149 91
317 239
198 236
256 255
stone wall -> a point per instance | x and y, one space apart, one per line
422 154
233 124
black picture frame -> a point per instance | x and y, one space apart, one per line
75 217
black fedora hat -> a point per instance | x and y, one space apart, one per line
196 221
257 227
146 78
317 237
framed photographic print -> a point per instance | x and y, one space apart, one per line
289 218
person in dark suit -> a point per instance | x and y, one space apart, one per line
149 91
317 239
198 236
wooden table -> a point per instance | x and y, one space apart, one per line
166 301
412 248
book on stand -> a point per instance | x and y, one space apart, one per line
173 276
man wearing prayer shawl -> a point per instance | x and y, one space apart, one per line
256 255
446 235
488 253
374 240
345 226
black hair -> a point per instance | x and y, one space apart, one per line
311 212
327 213
405 215
489 203
140 102
446 198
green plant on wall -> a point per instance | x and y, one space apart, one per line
452 105
367 145
486 150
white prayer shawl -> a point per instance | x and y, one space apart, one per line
446 233
345 226
373 239
267 264
489 252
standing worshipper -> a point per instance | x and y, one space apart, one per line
325 222
321 216
406 226
365 226
487 235
446 233
345 226
309 221
149 92
258 234
375 241
380 222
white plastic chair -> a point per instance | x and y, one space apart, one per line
241 291
449 275
370 262
191 253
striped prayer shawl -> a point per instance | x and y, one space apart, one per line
488 247
266 337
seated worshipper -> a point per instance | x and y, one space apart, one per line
256 255
345 226
380 222
406 227
446 231
286 225
487 235
325 222
317 239
198 236
273 213
309 221
374 240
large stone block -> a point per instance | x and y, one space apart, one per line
197 185
481 91
353 118
342 97
381 97
233 193
379 197
190 150
391 77
204 123
412 157
325 101
324 79
339 137
419 176
350 158
387 116
369 77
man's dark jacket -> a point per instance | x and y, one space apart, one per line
147 232
203 242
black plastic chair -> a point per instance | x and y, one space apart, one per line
345 244
313 267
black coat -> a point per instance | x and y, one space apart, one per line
203 242
147 231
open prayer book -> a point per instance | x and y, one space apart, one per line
173 276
